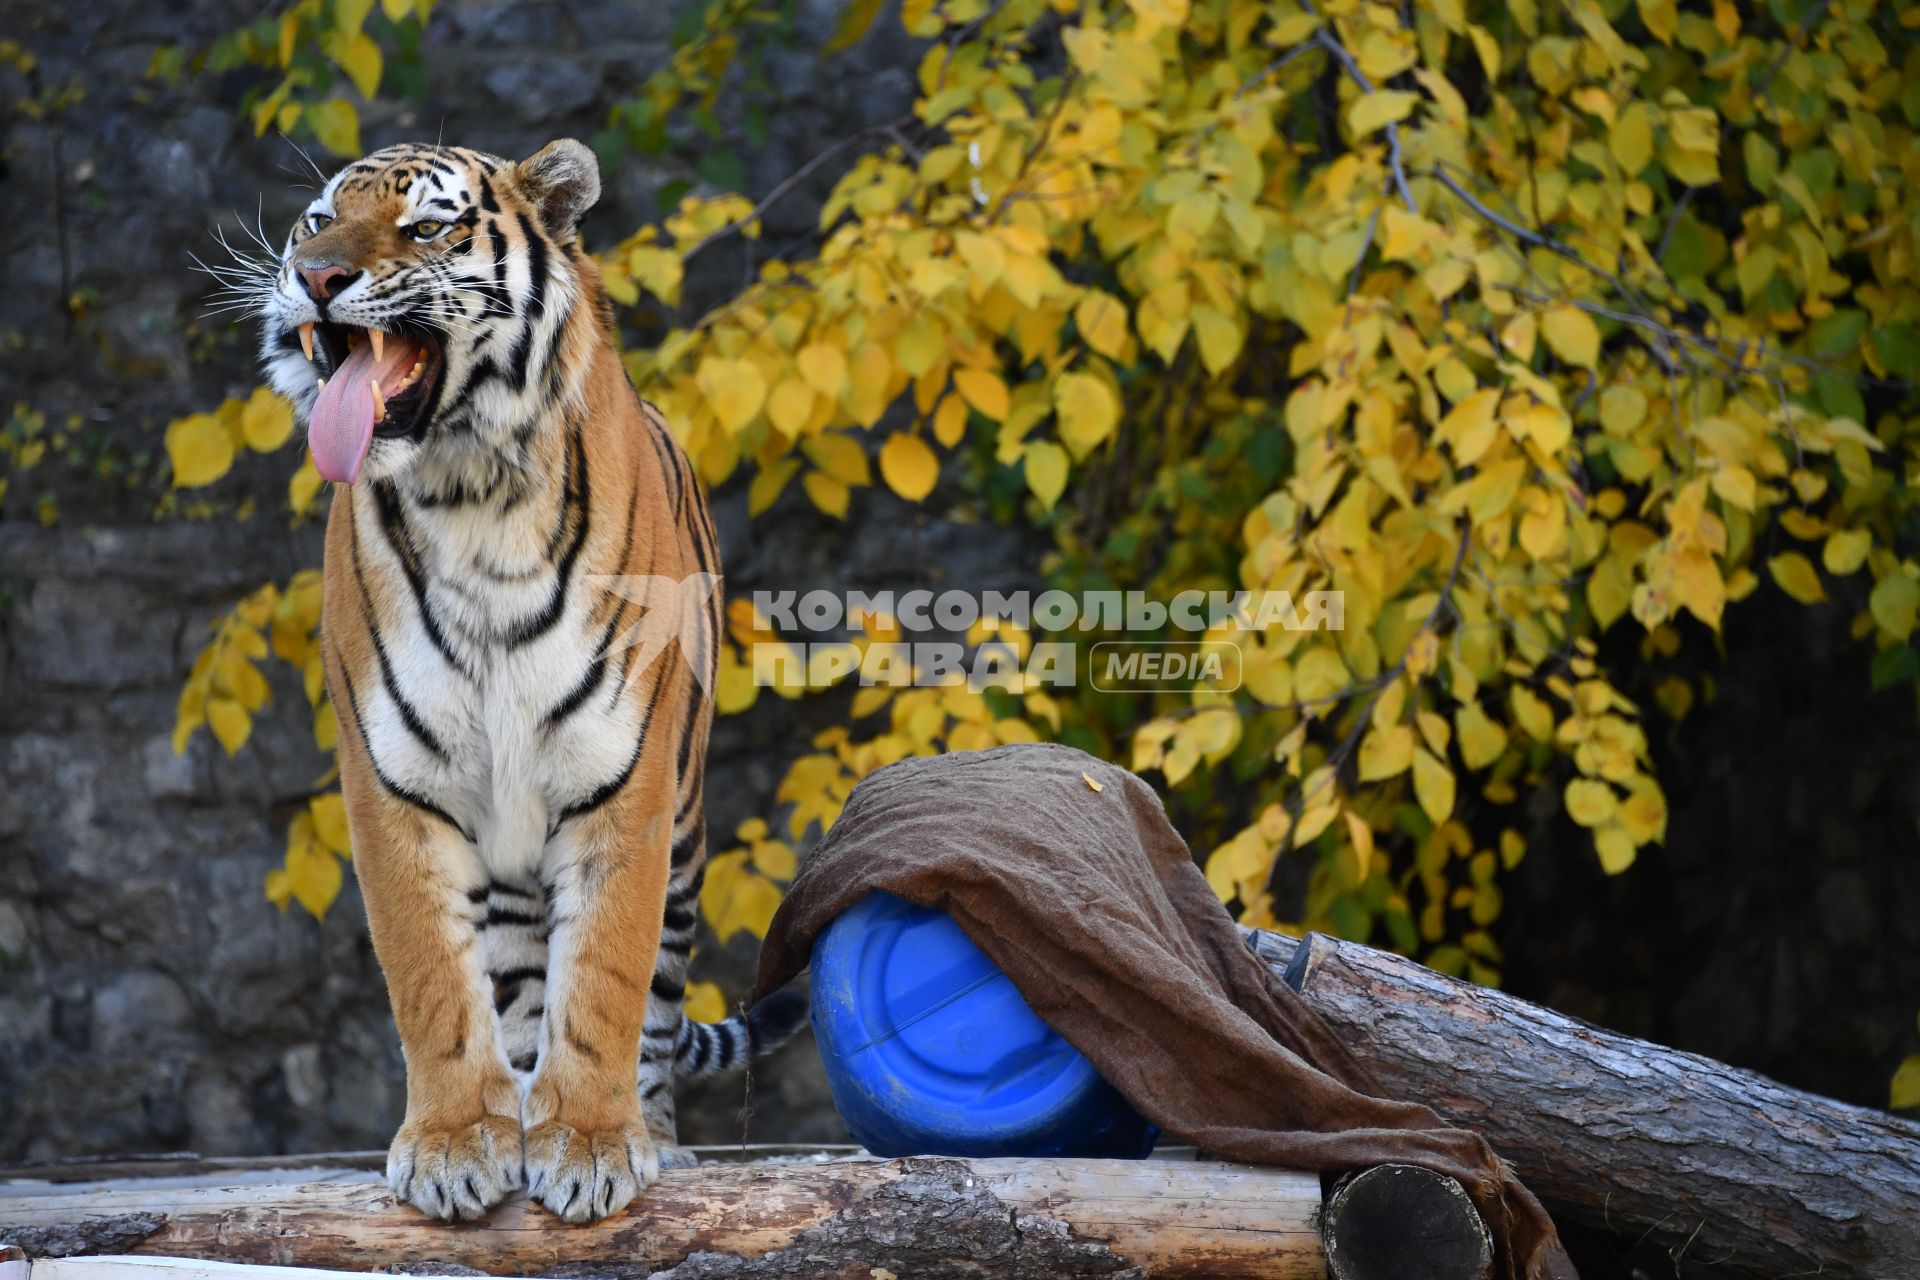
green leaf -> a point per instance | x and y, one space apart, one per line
723 169
1838 333
1898 347
1894 666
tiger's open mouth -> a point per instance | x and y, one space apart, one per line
372 382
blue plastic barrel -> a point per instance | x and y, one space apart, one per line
930 1050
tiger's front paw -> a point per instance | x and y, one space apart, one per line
458 1171
584 1175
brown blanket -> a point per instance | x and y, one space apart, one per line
1091 903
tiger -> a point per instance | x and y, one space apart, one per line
522 758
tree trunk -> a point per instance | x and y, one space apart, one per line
923 1217
1726 1168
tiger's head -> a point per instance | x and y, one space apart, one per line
424 306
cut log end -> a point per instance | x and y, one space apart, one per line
1402 1222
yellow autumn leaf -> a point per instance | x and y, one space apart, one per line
200 448
1481 740
1433 785
356 54
267 421
737 898
1797 577
1572 335
1905 1091
1894 604
824 366
1102 321
336 125
1359 845
303 486
908 466
1845 551
1590 802
1378 109
827 493
704 1003
1220 339
1615 847
734 389
1088 411
841 456
1631 140
1386 752
950 420
984 390
230 722
1532 714
1046 467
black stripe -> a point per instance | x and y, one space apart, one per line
408 716
677 919
522 973
477 896
536 305
610 788
501 886
487 200
670 471
542 622
589 680
392 788
668 989
703 1046
685 847
687 890
507 915
393 527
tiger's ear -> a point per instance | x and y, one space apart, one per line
563 180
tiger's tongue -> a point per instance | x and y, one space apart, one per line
340 428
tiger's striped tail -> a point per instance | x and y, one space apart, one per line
708 1048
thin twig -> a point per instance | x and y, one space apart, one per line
1396 159
786 185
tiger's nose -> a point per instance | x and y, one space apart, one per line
325 279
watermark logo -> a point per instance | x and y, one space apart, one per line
1015 641
1128 666
671 611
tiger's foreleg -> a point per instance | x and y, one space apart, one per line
458 1153
588 1149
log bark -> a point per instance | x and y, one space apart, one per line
1724 1167
924 1217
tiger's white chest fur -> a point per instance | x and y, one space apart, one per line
497 699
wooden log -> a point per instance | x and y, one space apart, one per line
1402 1222
1724 1167
927 1217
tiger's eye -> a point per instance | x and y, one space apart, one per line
316 222
427 229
